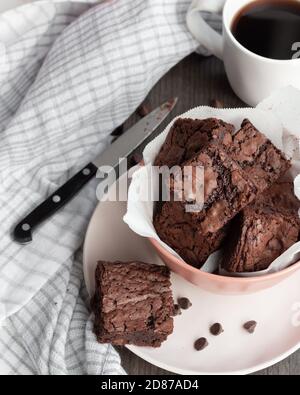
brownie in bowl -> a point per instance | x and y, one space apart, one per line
264 230
237 168
133 303
179 230
227 190
257 156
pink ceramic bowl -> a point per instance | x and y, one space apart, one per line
220 284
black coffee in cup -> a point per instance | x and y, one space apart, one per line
270 28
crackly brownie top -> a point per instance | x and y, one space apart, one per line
263 162
188 136
227 189
177 228
264 235
133 297
131 282
264 230
280 197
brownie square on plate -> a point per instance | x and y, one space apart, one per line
133 303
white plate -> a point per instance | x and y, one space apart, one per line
276 310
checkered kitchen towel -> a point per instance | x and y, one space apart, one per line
70 72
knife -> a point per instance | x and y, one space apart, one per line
123 147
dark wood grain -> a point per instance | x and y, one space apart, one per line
196 81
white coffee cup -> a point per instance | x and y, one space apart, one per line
252 77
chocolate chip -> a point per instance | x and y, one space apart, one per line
143 110
184 303
216 103
201 344
177 310
216 329
250 326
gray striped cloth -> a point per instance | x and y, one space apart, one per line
70 72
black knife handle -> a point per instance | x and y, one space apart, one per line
23 231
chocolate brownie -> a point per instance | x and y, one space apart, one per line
188 136
281 197
177 228
264 230
257 156
227 189
133 303
194 235
237 167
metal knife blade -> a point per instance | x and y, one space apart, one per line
124 146
129 141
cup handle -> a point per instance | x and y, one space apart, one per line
201 30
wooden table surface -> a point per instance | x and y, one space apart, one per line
196 81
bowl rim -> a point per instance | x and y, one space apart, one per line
217 278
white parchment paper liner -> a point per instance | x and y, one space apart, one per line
278 117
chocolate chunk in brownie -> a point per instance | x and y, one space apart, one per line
133 304
263 231
257 156
188 136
